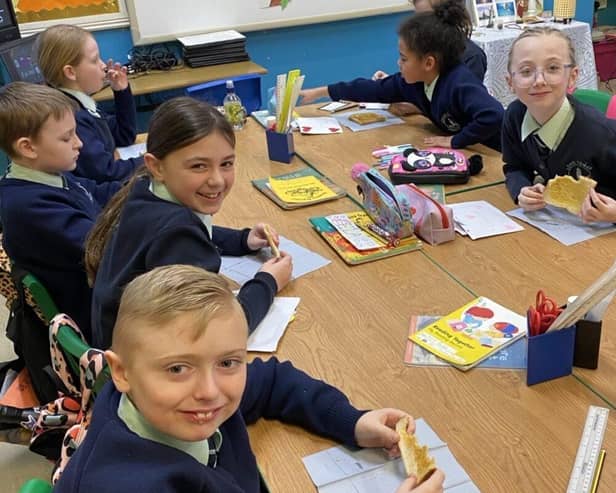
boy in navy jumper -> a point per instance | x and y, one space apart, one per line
546 133
433 79
70 61
46 212
174 419
165 217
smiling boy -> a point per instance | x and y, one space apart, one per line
175 418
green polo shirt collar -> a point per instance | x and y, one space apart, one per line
23 173
553 131
86 101
162 192
429 88
136 423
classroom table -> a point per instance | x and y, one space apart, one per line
185 76
511 268
350 330
333 155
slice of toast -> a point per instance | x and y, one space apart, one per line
366 117
415 457
567 192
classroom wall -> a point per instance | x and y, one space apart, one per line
607 16
326 52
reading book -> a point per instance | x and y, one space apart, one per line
345 249
299 188
509 357
472 333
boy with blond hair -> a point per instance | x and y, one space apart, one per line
46 213
174 419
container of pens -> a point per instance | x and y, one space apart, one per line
549 353
278 134
280 146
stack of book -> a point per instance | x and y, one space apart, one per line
214 48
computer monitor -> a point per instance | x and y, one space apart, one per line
9 30
19 58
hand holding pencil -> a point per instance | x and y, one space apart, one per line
263 235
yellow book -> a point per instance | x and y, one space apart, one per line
301 190
473 332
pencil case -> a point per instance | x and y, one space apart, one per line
433 165
433 221
385 205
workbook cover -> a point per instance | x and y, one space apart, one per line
471 333
352 255
305 192
512 357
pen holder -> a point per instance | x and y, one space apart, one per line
280 146
549 355
587 342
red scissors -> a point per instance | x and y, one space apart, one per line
543 314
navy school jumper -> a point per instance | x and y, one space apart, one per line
588 149
44 230
100 137
153 232
460 106
114 459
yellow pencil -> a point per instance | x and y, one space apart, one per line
270 240
595 480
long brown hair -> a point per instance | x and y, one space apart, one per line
176 123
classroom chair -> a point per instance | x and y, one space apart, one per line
592 97
36 486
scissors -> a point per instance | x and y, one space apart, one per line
543 314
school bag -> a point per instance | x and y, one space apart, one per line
433 165
429 219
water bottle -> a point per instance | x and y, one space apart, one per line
234 110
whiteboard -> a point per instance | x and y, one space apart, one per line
153 21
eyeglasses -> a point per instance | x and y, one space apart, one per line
552 74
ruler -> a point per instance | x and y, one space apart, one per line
589 450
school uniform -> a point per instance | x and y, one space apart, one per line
155 230
114 458
102 133
456 102
577 141
45 219
475 59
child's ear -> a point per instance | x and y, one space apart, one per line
430 62
154 166
509 80
118 371
573 76
24 146
69 72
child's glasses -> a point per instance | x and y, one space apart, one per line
552 74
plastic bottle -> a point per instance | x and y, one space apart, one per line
234 110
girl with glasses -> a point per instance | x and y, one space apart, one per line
548 133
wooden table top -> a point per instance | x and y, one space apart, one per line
334 155
511 268
350 330
185 76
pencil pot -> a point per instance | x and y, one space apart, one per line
587 342
280 146
549 355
